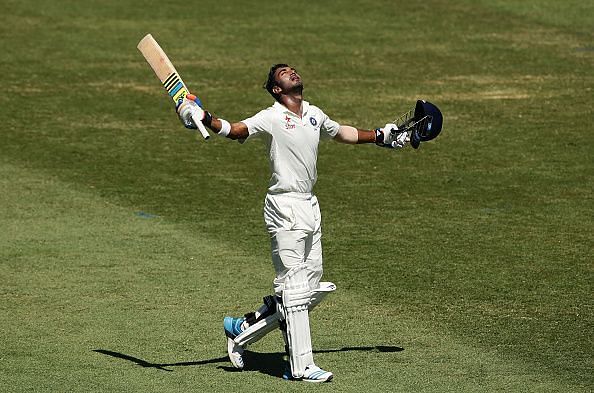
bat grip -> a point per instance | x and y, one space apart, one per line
200 126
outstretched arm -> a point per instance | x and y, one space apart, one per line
352 135
385 137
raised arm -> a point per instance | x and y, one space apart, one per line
193 105
224 128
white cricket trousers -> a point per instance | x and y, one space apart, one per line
294 223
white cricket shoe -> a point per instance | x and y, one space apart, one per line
312 374
235 353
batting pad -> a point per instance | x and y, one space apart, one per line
320 293
295 308
258 330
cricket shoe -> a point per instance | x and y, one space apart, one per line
312 374
233 327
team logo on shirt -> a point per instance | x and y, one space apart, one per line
313 121
288 124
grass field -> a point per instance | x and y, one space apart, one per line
125 239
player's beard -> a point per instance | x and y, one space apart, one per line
297 88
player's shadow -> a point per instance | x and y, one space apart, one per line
266 363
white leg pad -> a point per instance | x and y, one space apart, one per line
320 293
265 326
295 309
258 330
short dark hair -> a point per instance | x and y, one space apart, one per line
271 81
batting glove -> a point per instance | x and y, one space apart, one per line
189 109
389 136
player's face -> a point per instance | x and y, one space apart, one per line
287 78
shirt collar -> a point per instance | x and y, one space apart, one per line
283 109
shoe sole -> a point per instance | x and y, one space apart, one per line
318 380
288 377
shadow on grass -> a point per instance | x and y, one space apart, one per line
266 363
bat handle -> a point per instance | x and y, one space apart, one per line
201 127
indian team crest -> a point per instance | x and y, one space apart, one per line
313 121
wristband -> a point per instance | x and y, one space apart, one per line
207 121
379 137
225 128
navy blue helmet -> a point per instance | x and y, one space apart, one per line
428 121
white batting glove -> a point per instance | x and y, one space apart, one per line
187 110
391 137
401 140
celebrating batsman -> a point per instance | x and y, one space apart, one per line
292 128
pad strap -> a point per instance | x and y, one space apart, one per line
270 305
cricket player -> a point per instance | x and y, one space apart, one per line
292 128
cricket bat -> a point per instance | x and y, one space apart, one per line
167 74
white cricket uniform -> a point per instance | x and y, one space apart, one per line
291 211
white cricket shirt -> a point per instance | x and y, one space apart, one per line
292 144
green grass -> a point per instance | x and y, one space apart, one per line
465 266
